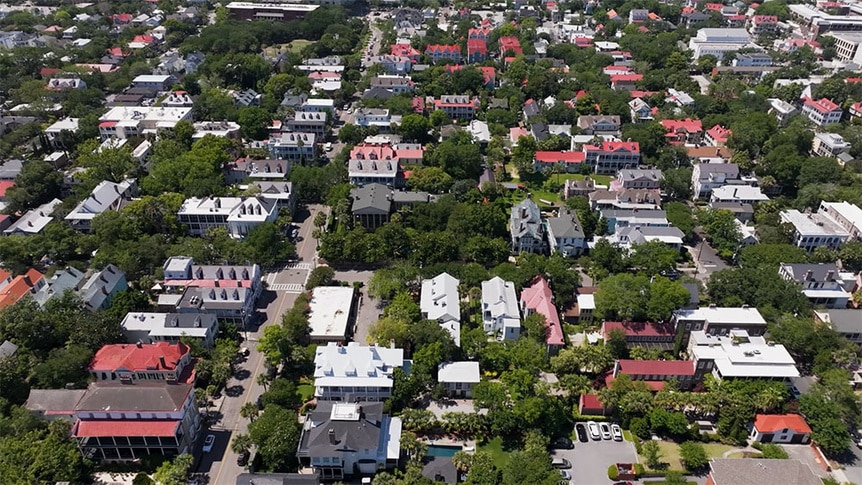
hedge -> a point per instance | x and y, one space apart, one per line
613 473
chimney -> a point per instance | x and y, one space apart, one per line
734 193
139 344
332 437
392 343
162 362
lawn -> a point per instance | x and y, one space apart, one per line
670 453
294 46
495 448
306 391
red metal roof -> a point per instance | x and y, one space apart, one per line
539 298
107 124
590 402
687 125
615 78
719 133
560 157
639 329
768 423
657 367
822 105
132 358
4 186
114 427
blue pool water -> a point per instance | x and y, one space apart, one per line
443 450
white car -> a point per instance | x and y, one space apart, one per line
606 431
208 443
328 146
566 475
594 430
617 432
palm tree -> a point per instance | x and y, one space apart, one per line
415 449
462 460
241 444
249 411
263 380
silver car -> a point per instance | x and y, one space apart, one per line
606 431
617 432
594 430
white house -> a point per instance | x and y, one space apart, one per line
707 176
743 194
237 214
739 355
149 328
439 301
829 145
565 234
458 378
33 221
355 372
107 196
780 428
718 42
330 309
823 284
128 121
500 313
814 230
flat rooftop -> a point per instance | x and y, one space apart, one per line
330 312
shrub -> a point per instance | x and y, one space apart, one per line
613 473
693 455
773 451
639 469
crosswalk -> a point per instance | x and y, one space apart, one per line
287 287
305 266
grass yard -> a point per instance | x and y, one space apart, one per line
295 46
495 448
306 391
744 454
670 453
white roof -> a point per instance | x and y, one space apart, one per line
467 371
826 293
751 358
723 315
34 220
587 302
149 113
393 439
498 298
330 310
849 211
151 78
70 124
355 364
322 102
209 205
812 224
439 298
104 197
170 324
738 192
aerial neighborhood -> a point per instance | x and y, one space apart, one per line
411 243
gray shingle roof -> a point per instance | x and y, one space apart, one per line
844 320
727 471
566 224
819 272
374 197
330 437
142 396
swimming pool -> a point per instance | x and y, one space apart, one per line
443 450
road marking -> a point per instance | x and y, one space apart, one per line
305 266
287 287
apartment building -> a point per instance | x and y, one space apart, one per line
459 107
814 230
128 121
718 321
307 122
236 214
355 372
609 157
292 146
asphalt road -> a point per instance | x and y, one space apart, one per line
220 464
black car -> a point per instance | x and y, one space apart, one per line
562 444
242 459
582 433
671 274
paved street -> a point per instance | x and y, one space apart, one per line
590 461
285 285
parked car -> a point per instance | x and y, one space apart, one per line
582 433
208 443
243 351
561 463
566 475
562 444
617 432
606 431
242 459
594 430
328 146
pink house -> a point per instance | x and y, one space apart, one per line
538 298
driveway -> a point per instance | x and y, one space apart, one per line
706 259
368 307
590 461
852 463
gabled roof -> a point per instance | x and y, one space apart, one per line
559 157
498 298
439 298
18 287
687 125
161 356
142 396
656 367
822 105
768 423
639 329
539 298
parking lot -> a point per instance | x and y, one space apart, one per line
590 461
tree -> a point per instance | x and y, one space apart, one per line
241 443
415 127
430 179
622 297
253 122
112 163
674 478
773 451
249 411
654 257
523 155
276 435
693 455
617 343
651 451
320 276
481 470
415 448
665 296
721 231
174 472
851 256
37 183
770 256
266 245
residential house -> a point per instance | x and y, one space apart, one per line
628 237
717 136
151 328
718 321
640 111
405 50
330 311
538 298
681 132
567 162
107 196
181 272
599 125
654 373
500 314
139 362
279 193
394 65
679 98
847 322
531 109
764 24
747 234
845 214
178 99
743 212
526 228
659 335
609 157
153 81
811 231
822 283
292 146
636 178
739 355
821 112
14 289
718 42
372 204
128 121
634 199
782 110
393 84
228 304
245 169
625 82
34 220
829 145
379 118
355 372
621 218
578 187
318 105
375 164
7 349
458 378
694 18
739 194
565 233
343 439
708 154
307 122
477 50
458 106
439 53
509 44
705 177
780 428
98 292
755 471
68 279
238 215
752 60
439 301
